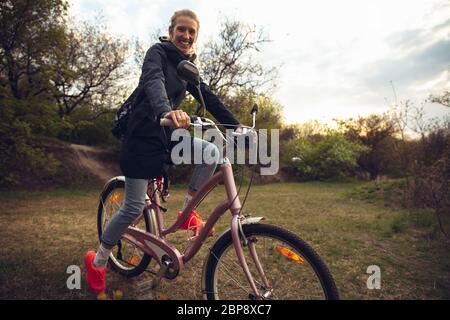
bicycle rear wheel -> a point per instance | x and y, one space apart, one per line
125 258
294 271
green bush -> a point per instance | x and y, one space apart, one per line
94 132
325 157
20 159
399 225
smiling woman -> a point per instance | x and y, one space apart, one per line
183 30
146 145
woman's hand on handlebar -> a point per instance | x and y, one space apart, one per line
180 118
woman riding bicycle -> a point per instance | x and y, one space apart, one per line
146 146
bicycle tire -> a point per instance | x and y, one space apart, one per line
218 259
121 264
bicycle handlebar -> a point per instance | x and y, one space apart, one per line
201 121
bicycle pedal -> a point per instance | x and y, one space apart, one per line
161 274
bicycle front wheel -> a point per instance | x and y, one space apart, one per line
285 267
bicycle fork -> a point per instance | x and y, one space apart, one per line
236 227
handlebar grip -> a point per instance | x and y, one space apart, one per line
166 122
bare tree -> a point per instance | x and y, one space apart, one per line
140 48
29 30
90 70
443 99
229 63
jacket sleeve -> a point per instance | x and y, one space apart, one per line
153 80
213 105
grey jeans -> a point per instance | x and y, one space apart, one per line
136 189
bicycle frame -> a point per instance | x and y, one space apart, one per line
160 249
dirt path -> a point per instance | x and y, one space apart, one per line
92 160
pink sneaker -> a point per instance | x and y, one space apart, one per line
195 223
95 277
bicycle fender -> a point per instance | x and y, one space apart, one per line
112 180
252 220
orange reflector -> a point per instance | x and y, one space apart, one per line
290 254
115 197
134 260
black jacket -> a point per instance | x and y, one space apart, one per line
146 146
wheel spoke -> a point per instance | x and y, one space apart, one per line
229 274
239 269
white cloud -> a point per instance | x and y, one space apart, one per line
131 18
441 82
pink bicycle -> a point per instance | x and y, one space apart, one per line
250 260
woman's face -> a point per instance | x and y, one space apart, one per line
184 34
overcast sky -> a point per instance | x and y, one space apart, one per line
337 58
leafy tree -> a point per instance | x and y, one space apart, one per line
50 69
377 133
29 31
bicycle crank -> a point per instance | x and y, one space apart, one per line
166 270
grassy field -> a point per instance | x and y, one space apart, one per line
45 232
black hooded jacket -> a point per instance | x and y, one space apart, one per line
146 146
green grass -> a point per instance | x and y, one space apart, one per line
45 232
